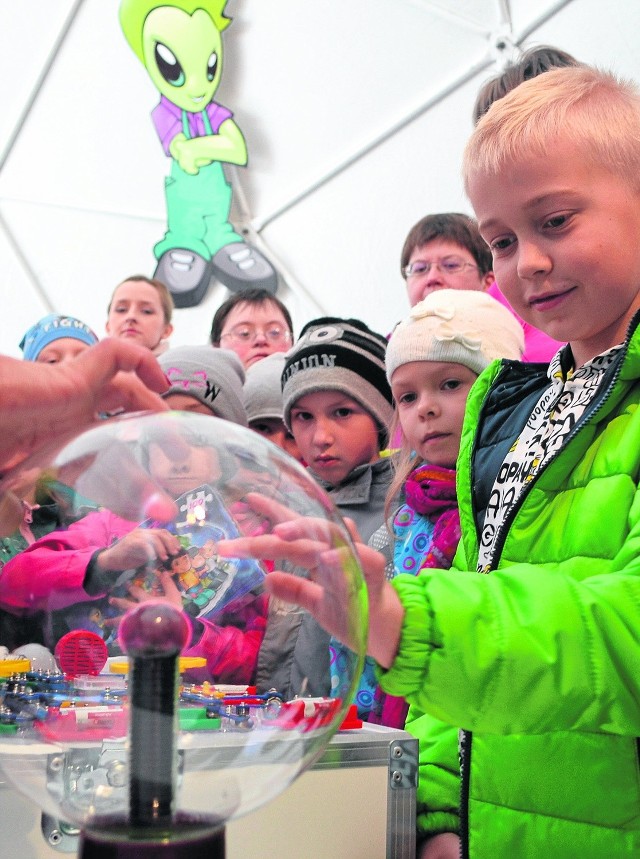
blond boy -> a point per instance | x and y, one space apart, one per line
537 660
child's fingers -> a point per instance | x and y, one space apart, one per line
270 509
293 589
353 530
11 513
169 587
138 594
303 553
121 603
327 596
166 544
321 531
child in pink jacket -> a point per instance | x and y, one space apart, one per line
87 575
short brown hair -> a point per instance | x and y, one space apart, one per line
166 301
256 295
454 227
532 63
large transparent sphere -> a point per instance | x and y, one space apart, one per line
138 506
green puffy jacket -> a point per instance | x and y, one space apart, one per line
539 661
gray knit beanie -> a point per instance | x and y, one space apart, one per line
459 326
343 355
263 388
213 376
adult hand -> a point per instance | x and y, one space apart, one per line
43 405
40 403
319 546
114 375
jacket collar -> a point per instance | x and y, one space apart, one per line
356 488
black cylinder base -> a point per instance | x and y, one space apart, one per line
182 843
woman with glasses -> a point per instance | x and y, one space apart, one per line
253 323
446 251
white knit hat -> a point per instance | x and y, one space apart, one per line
459 326
213 376
263 388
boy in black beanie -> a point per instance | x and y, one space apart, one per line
338 405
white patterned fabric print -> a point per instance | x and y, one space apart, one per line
555 414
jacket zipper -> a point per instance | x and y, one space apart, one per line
464 751
465 737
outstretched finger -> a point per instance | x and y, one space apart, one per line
111 356
352 528
294 589
121 603
270 509
303 553
138 594
322 531
11 513
169 587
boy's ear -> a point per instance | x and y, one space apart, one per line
487 279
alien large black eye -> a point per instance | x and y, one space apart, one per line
168 65
211 66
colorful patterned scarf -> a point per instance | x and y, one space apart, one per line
431 491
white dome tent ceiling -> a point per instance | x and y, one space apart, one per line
355 115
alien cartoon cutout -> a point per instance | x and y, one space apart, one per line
180 44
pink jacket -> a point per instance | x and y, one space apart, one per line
50 574
538 346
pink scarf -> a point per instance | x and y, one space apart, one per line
431 491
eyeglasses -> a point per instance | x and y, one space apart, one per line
448 265
248 333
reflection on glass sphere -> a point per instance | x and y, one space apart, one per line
141 504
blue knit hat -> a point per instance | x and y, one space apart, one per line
54 327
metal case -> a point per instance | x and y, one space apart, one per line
358 801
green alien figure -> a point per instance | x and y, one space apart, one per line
180 44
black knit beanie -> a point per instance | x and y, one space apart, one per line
334 354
